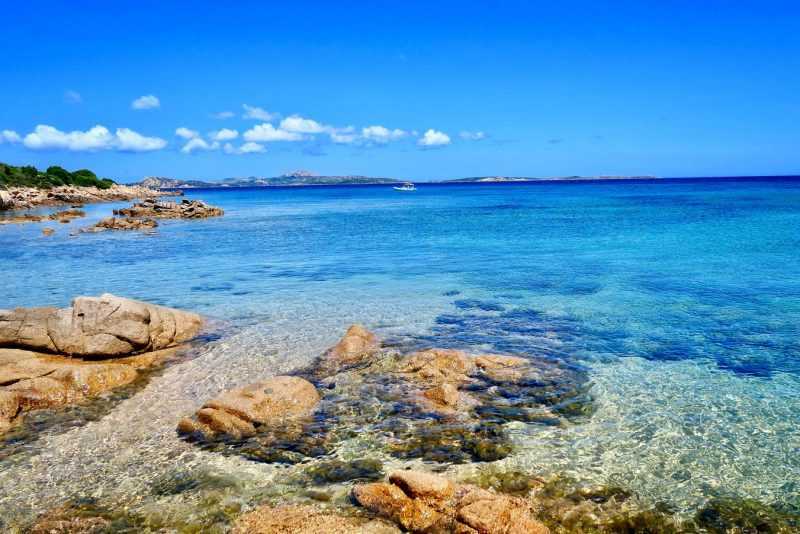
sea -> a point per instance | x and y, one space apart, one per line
679 299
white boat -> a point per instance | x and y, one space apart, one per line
407 186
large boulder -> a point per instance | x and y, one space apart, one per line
424 502
238 412
98 326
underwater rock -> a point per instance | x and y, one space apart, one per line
306 519
32 381
48 231
437 366
102 326
438 405
185 209
9 409
424 502
237 413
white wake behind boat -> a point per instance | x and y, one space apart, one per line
407 186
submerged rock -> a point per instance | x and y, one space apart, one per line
440 405
424 502
102 326
306 519
34 381
237 413
185 209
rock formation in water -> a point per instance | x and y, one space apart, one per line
60 216
423 502
122 223
102 326
114 336
237 413
185 209
440 405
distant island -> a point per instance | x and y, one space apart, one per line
306 178
493 179
297 178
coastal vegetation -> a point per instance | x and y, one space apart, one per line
53 176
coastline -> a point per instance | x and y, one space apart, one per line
24 198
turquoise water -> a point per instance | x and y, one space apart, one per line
681 299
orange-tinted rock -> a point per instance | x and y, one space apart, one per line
91 379
501 368
389 501
9 409
424 502
357 345
269 400
225 423
41 392
445 394
419 484
437 365
239 411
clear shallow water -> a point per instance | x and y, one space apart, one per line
682 298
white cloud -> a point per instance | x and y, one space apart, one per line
254 112
97 138
146 102
130 141
198 143
72 97
223 115
9 136
381 134
225 134
251 148
298 124
186 133
432 138
472 136
266 132
46 137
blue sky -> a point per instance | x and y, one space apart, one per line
404 89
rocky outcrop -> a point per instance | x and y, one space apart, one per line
185 209
357 346
28 197
306 519
423 502
102 326
33 381
239 412
438 405
122 223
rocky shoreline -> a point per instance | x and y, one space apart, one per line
22 198
55 357
429 409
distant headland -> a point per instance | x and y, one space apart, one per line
306 178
